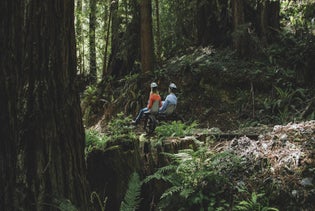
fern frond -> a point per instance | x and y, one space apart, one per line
160 174
170 192
132 197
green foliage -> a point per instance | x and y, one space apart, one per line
101 204
285 105
120 127
62 205
95 139
132 197
175 129
196 179
90 103
297 15
90 94
255 202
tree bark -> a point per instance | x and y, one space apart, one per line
212 22
158 33
79 36
146 36
268 19
107 21
10 32
42 136
240 29
92 28
115 62
124 43
238 13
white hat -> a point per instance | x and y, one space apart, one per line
153 84
173 86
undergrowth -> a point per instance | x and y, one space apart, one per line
118 129
203 180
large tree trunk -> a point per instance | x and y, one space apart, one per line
273 19
212 22
115 62
10 33
240 29
107 23
92 28
238 13
124 44
79 36
146 36
158 33
268 19
42 146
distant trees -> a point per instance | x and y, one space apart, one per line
125 38
42 163
132 35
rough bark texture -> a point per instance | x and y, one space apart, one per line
93 69
10 36
268 19
238 13
240 29
146 36
79 36
124 43
42 136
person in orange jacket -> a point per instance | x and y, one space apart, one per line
154 95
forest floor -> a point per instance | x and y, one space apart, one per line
283 157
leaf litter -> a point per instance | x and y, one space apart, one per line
282 158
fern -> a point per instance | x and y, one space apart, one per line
162 173
255 203
194 178
101 204
171 191
132 197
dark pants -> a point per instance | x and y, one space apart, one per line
141 112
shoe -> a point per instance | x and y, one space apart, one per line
134 122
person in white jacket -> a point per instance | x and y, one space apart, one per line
170 99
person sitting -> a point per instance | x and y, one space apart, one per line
170 99
154 96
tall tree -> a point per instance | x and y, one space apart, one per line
158 33
240 33
268 19
125 38
92 29
79 36
115 62
107 21
212 22
42 136
146 36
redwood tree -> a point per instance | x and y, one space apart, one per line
42 163
92 29
146 36
268 23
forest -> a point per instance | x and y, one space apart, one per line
75 73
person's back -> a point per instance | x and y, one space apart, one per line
154 96
170 100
